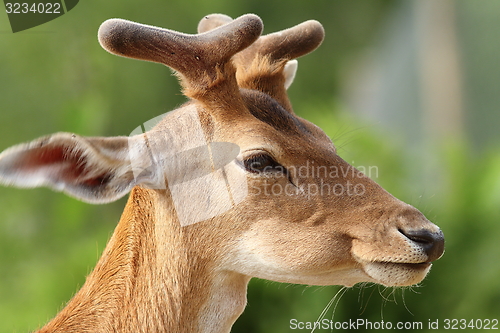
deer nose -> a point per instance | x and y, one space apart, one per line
432 242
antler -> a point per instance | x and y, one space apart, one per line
261 65
202 61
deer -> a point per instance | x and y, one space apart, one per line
216 193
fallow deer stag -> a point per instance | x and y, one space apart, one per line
218 195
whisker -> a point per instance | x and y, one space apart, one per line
341 291
367 301
325 310
404 301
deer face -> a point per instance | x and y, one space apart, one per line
311 218
262 188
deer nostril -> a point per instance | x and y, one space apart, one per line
419 236
431 242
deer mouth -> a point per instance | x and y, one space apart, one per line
392 274
421 265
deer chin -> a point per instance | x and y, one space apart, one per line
392 274
347 277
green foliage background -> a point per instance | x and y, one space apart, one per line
56 77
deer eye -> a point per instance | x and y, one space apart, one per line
262 163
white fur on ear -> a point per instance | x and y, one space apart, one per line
290 71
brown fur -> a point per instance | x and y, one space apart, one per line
158 275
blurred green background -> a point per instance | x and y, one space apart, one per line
411 87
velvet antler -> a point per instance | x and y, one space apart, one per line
261 66
202 61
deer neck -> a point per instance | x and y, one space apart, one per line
150 279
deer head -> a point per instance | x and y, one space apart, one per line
231 185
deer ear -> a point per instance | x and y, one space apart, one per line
95 170
289 71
